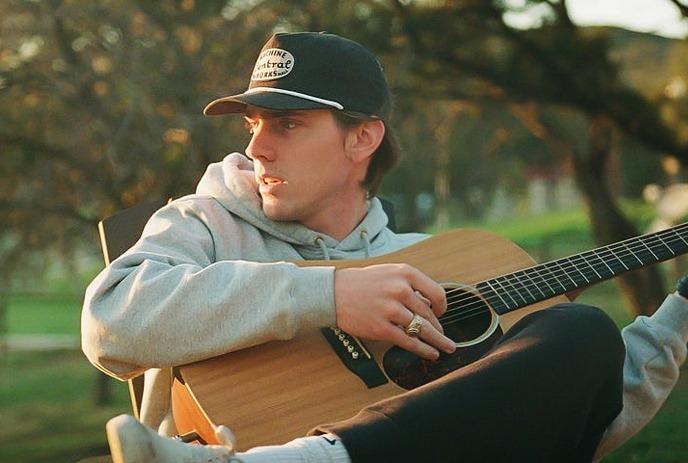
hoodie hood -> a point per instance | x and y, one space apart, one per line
231 182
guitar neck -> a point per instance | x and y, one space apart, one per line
528 286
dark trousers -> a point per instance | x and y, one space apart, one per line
545 393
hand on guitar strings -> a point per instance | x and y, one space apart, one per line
378 302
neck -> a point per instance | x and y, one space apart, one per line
339 220
527 286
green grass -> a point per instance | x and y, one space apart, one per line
55 313
47 398
47 405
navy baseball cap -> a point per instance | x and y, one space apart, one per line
311 70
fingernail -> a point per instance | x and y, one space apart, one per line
450 348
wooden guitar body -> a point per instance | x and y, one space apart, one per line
277 391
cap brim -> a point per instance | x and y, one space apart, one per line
267 100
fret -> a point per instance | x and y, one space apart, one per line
484 292
680 237
648 248
611 260
588 262
496 304
659 237
543 281
516 304
494 291
520 277
578 270
611 270
509 279
611 249
633 254
537 273
677 246
600 265
556 278
660 248
534 285
575 285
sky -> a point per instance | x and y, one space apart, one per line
656 16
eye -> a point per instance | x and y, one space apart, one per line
288 124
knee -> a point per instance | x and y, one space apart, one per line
583 317
589 329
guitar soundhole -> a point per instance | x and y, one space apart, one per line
468 321
468 316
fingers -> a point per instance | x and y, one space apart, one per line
430 339
430 290
396 292
433 337
426 345
417 303
413 345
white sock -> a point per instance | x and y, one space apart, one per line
327 448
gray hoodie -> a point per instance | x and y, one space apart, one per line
186 291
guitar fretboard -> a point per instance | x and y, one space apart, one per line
519 289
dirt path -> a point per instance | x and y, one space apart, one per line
38 342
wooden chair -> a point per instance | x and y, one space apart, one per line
120 231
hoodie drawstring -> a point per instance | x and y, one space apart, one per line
323 248
326 253
364 237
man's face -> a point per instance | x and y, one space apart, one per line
301 165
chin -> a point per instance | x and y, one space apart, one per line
277 214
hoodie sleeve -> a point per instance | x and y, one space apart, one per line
167 302
655 350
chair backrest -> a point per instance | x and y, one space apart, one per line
118 233
121 230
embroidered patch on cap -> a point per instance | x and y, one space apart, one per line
273 63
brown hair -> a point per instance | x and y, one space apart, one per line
385 156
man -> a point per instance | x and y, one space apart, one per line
211 275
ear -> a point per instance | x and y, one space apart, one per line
363 140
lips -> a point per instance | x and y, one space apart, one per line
267 180
268 183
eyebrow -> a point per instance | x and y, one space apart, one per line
272 113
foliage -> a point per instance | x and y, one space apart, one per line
101 100
102 103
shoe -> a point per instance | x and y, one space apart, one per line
133 442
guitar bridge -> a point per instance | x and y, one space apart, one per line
355 356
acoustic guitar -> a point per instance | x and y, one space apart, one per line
277 391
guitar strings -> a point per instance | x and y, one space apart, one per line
457 311
576 260
556 276
461 312
476 308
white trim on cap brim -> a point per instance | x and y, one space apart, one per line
334 104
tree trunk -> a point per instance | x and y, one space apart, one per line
643 289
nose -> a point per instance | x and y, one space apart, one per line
261 146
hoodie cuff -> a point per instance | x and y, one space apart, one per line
315 293
673 314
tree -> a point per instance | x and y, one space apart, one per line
559 64
100 103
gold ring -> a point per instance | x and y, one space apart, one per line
413 328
